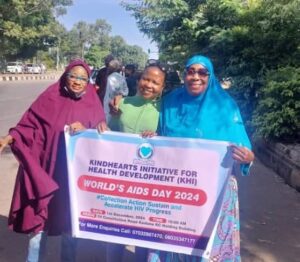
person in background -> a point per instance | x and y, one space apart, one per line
122 72
115 86
202 109
131 79
138 114
40 203
101 78
43 69
173 81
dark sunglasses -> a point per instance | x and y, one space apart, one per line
79 78
200 72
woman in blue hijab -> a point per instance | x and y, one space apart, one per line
202 109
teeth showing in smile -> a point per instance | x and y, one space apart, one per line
147 92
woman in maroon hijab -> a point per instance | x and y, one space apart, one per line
40 204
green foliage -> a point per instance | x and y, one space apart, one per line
162 22
45 58
83 36
25 26
126 53
95 56
93 43
277 115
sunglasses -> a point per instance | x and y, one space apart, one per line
200 72
78 78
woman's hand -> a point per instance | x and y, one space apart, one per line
148 134
114 105
76 127
242 154
4 141
102 126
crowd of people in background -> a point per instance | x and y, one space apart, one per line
132 74
198 108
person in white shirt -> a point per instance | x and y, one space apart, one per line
116 86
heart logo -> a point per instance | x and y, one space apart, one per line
145 150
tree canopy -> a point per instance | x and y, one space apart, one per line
26 26
93 42
29 29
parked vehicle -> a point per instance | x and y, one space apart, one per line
33 69
14 67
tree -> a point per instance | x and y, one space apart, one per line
95 56
277 115
100 34
60 46
84 36
93 43
135 55
126 53
26 26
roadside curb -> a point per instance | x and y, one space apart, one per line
28 77
282 158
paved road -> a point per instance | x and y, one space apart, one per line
15 97
270 210
270 217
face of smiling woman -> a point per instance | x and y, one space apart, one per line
77 79
196 79
151 83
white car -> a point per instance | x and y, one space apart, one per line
33 69
14 67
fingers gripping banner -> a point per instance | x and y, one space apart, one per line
161 193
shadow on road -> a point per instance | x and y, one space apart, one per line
270 217
13 247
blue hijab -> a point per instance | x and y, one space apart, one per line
211 115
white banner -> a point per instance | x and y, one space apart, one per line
161 193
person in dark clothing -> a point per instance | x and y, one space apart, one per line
173 81
131 79
101 78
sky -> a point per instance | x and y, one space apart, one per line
121 21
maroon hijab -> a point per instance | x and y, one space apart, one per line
40 200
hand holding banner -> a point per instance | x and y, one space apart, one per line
161 193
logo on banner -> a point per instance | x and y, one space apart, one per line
145 151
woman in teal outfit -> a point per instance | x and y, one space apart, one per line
202 109
137 114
